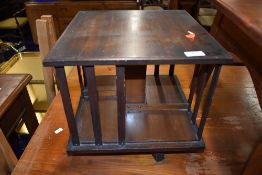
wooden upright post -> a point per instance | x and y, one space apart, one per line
45 44
51 30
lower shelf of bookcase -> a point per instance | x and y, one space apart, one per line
161 124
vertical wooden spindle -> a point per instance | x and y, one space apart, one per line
93 99
156 72
208 100
62 82
201 86
171 69
193 86
121 103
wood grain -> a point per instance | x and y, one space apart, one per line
15 105
237 27
45 41
132 38
64 11
231 131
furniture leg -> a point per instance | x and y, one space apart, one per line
62 82
200 87
79 72
93 96
121 103
171 70
158 156
29 116
208 100
156 72
84 77
193 86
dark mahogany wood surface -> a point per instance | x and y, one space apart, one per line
11 86
241 21
238 27
246 13
246 28
233 127
134 38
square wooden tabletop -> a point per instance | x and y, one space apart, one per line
134 38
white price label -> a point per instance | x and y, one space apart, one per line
58 130
194 54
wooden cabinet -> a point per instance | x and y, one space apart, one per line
64 11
